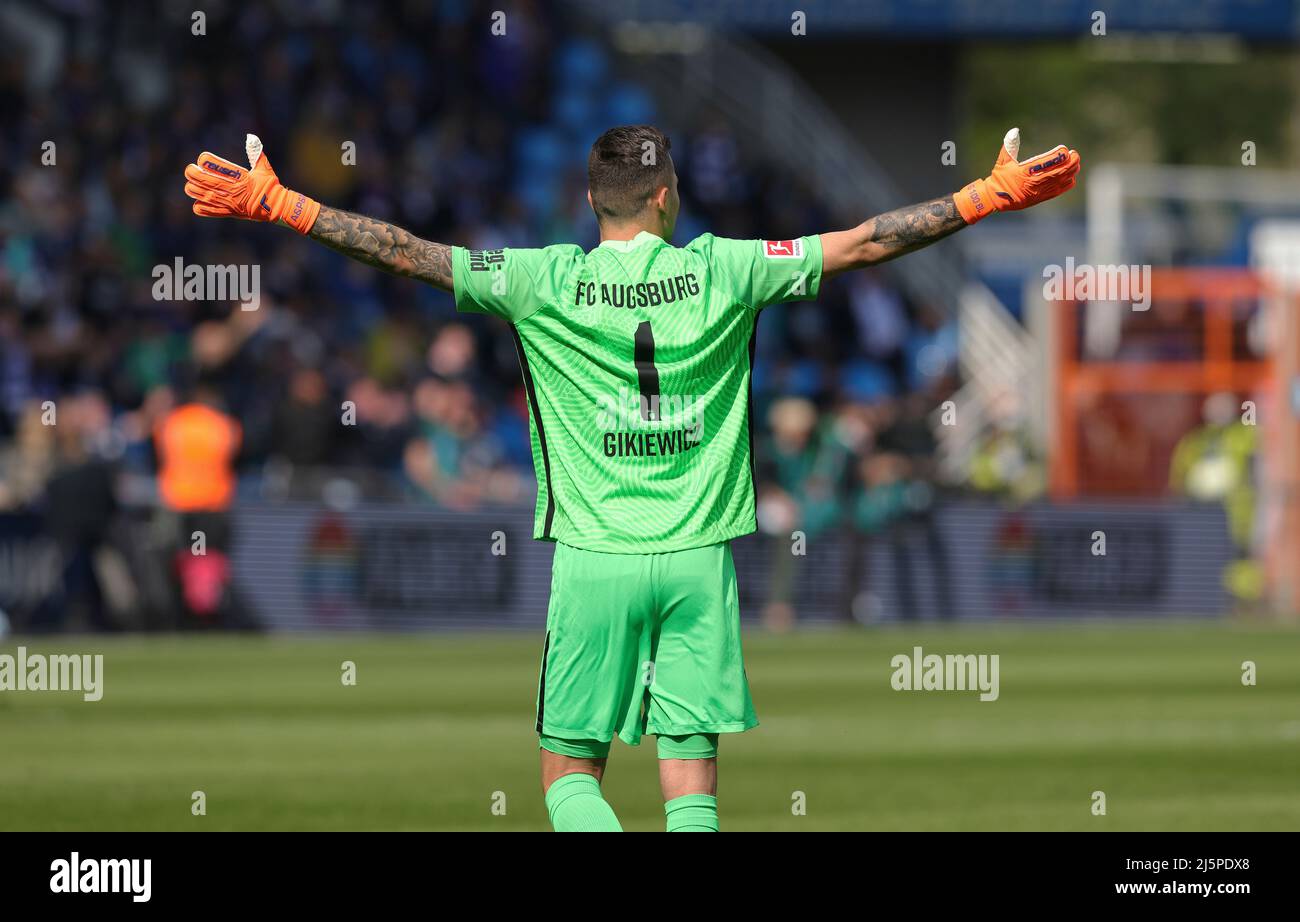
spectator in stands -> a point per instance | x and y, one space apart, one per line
881 320
197 445
80 500
1004 463
27 461
803 471
909 439
1215 463
306 423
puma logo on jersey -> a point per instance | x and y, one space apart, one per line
486 260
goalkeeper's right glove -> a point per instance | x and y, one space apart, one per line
222 189
1014 185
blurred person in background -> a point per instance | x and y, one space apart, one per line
27 461
450 458
306 422
1004 463
1215 463
382 426
910 440
800 474
79 506
880 321
879 500
197 445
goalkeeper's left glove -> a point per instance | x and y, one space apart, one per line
1014 185
222 189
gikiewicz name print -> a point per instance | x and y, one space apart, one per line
649 425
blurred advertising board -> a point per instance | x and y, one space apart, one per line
31 566
393 566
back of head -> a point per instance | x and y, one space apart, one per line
627 165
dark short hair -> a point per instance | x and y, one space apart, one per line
627 165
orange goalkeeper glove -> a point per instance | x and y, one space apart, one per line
222 189
1014 185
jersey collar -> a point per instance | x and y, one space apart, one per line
624 246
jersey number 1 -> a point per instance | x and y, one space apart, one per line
646 374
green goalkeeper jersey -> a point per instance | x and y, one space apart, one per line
636 360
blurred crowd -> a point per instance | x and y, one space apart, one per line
479 139
460 135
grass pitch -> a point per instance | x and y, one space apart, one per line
438 731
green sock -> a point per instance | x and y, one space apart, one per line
576 805
692 813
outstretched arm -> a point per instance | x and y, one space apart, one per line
383 245
1011 186
222 189
888 235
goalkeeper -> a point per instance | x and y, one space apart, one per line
636 363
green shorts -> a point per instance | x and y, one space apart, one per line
643 643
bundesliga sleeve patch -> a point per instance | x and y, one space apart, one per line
783 249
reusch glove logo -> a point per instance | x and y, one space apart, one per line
1039 167
215 167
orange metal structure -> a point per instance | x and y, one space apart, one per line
1220 294
1215 303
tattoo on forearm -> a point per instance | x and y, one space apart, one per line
383 245
911 228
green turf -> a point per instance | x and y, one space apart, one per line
1154 716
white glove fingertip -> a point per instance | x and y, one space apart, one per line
1011 141
253 148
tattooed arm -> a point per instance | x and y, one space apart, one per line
383 245
891 234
